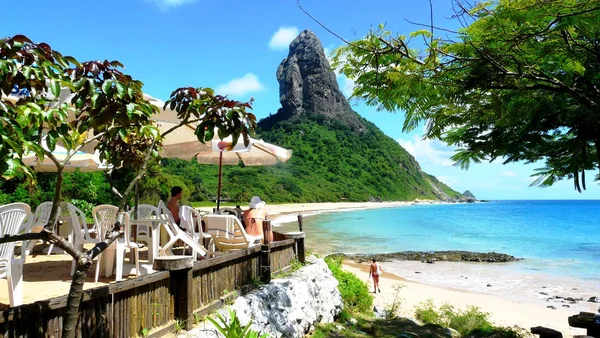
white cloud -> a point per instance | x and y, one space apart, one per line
167 4
246 84
282 38
509 174
346 85
428 152
448 180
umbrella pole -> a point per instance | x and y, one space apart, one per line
137 200
220 174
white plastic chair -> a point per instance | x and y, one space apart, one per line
11 268
143 232
105 216
191 219
39 220
175 234
228 233
80 232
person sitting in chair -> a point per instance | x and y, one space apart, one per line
173 204
254 217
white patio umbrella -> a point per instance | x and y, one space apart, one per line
257 153
83 161
181 143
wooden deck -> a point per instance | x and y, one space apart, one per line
153 302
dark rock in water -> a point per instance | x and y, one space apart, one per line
307 84
566 305
594 300
489 285
543 293
551 307
425 256
417 271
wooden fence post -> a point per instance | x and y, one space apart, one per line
265 253
181 286
300 223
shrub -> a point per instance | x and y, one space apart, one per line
86 207
355 293
233 328
472 321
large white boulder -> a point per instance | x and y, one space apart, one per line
287 307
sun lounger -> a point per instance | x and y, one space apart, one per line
228 233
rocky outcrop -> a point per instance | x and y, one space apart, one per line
287 307
467 196
307 84
432 256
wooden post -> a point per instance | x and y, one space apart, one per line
181 286
300 223
301 252
267 231
299 249
265 253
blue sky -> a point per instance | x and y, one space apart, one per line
235 47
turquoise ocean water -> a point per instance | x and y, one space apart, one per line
559 240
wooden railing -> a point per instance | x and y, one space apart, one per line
154 302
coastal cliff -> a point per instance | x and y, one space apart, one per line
338 155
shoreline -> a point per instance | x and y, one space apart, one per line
503 311
534 304
282 212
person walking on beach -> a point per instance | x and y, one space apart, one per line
375 272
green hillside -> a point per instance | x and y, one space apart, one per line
330 163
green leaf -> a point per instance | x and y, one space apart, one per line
55 88
4 66
51 139
10 168
107 87
121 90
209 134
14 145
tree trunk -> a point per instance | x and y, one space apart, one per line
73 301
56 200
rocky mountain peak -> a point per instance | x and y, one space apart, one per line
308 85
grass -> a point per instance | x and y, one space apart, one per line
295 265
470 321
384 328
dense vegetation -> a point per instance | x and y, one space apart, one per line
330 163
355 293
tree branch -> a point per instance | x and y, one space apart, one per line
139 175
330 31
429 26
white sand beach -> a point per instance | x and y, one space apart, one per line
503 312
277 211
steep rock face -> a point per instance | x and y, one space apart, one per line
307 84
338 155
287 307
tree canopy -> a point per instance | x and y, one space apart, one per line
518 82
